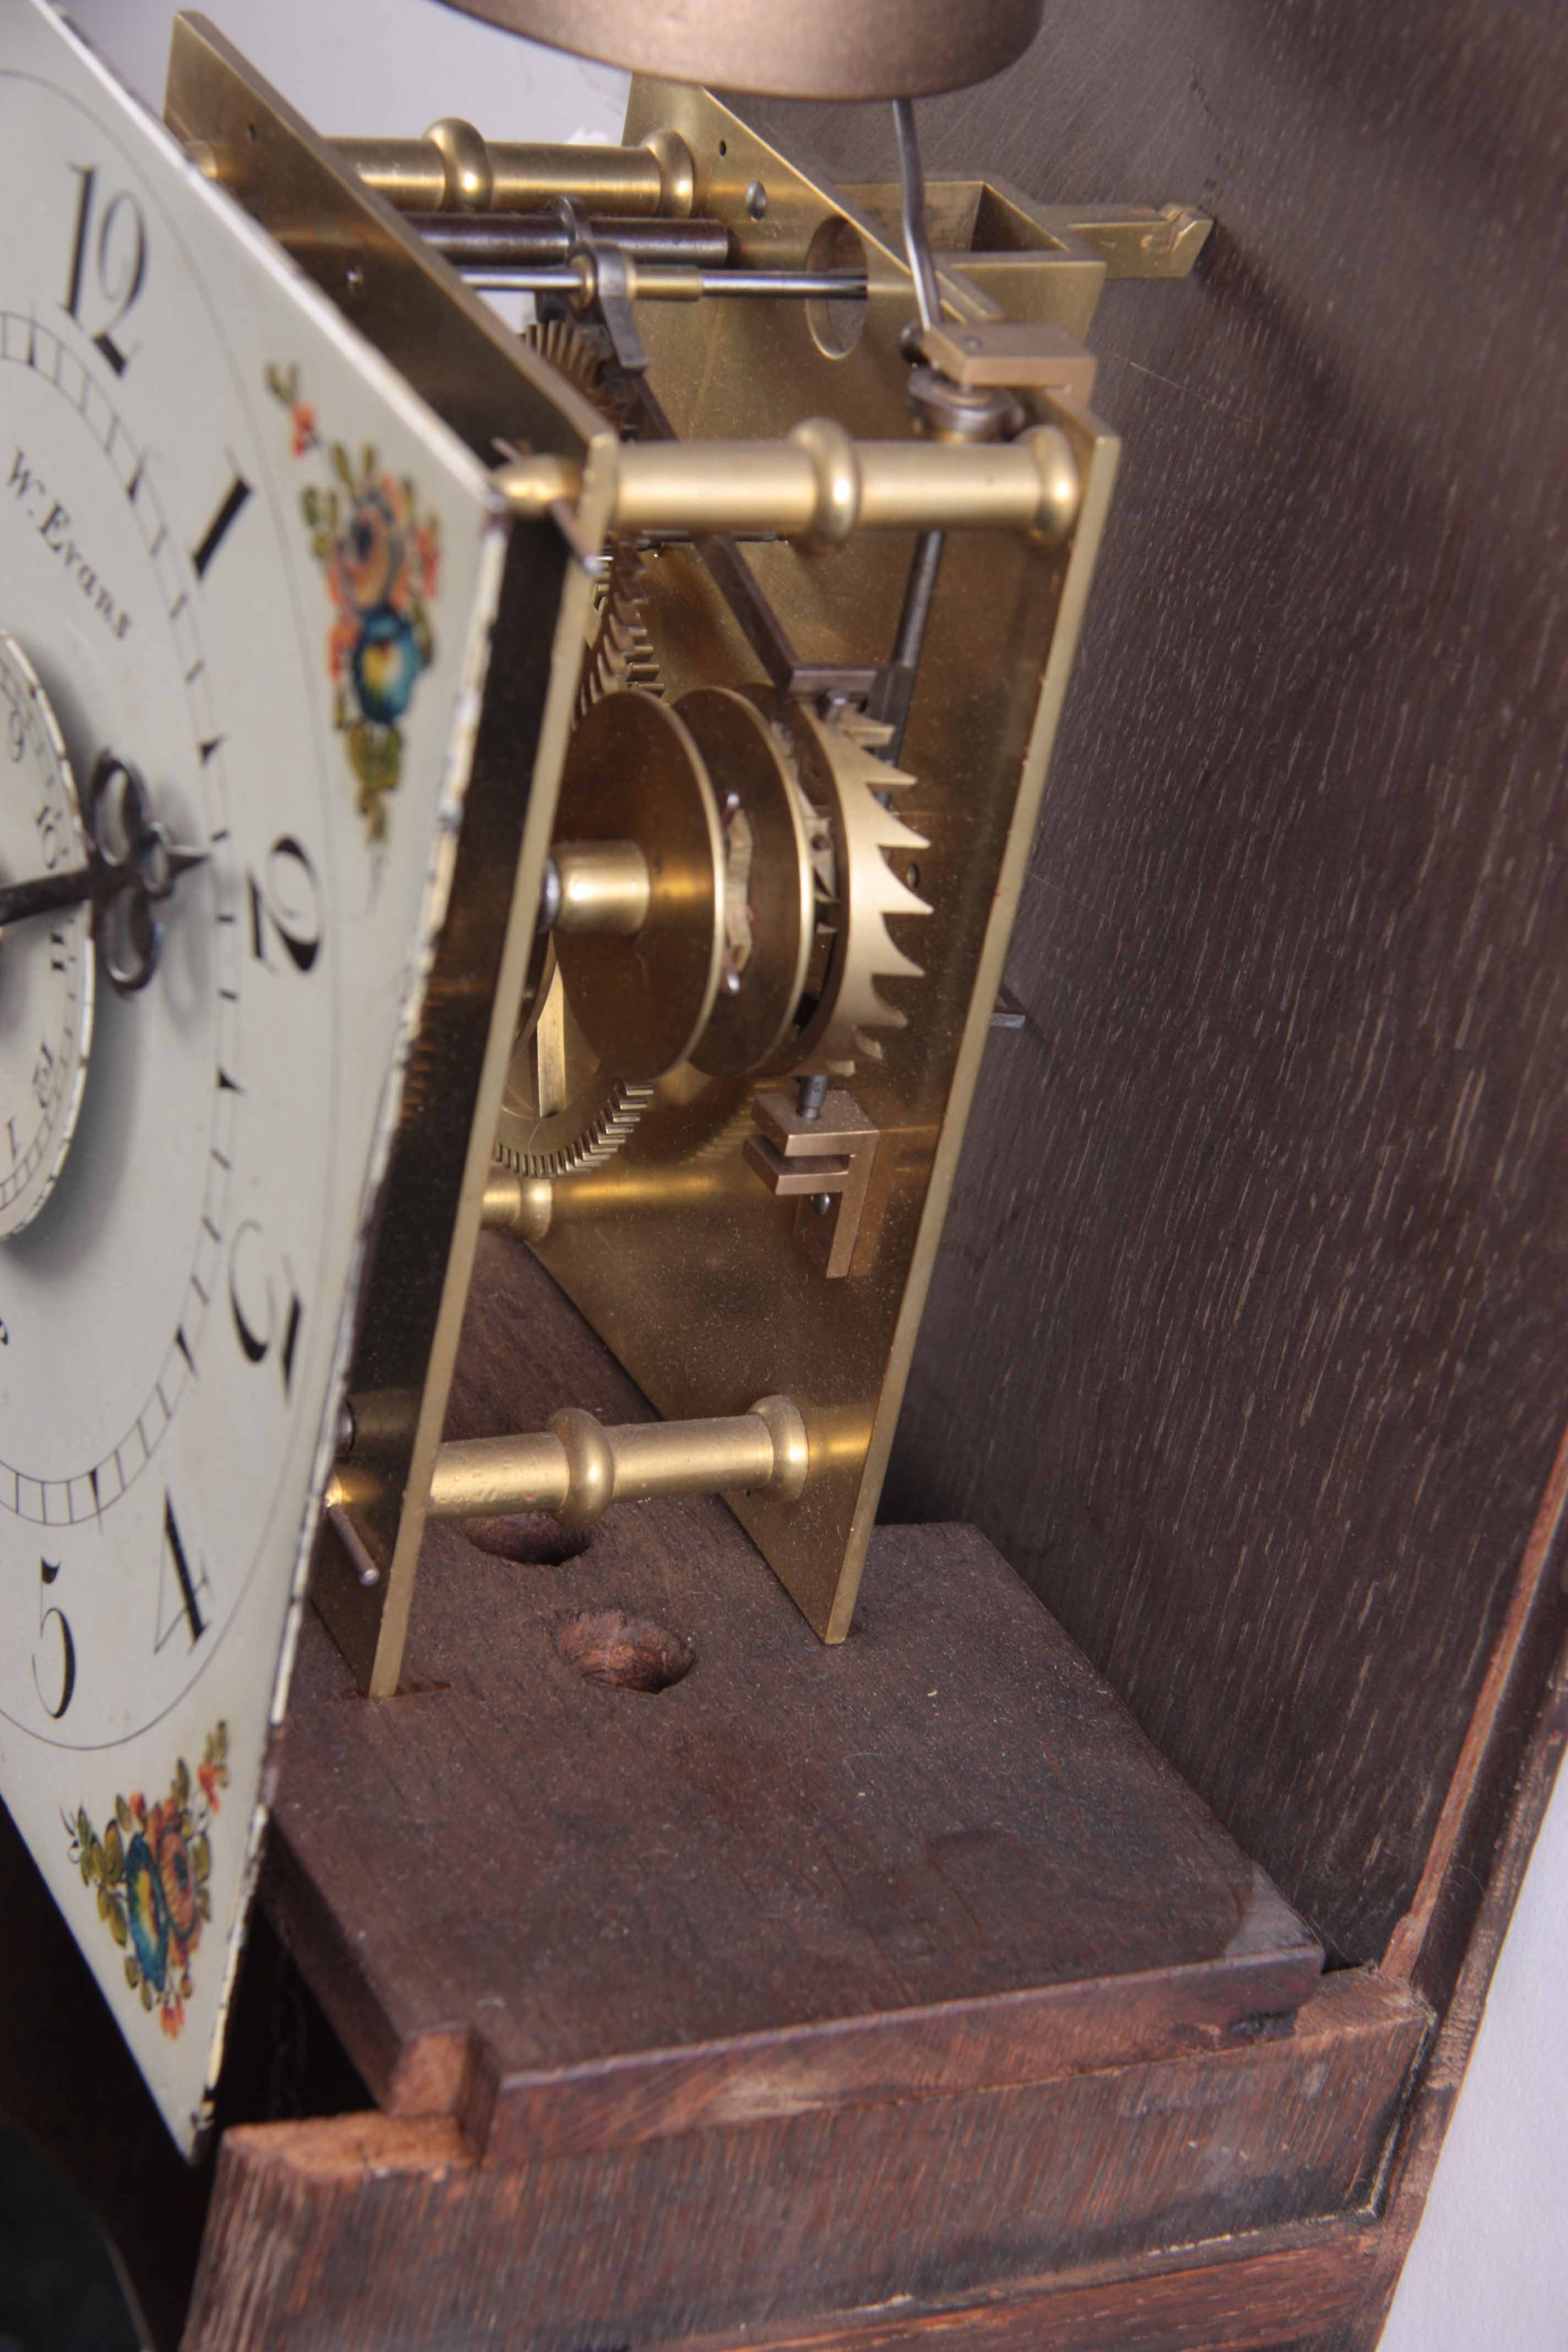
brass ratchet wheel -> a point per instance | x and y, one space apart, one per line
765 832
854 831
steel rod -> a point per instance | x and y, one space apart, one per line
535 240
898 685
916 247
677 282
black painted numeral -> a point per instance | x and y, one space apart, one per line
44 1077
53 846
178 1588
286 905
15 733
218 529
48 1571
268 1314
118 257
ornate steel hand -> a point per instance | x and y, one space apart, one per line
131 868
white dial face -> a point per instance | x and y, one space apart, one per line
47 969
243 563
179 1263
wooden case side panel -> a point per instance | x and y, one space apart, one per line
1460 1950
1248 1345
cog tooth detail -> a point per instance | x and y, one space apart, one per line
603 1131
585 363
621 654
867 892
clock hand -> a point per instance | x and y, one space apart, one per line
122 886
158 865
43 894
140 875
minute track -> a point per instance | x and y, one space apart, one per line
59 534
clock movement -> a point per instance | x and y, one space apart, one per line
513 824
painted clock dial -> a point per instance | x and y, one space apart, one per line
238 558
48 972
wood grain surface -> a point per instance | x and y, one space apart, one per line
1242 2296
1249 1342
940 1857
366 2231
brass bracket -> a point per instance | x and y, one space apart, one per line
824 1162
1016 354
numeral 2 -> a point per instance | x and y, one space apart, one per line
119 255
286 905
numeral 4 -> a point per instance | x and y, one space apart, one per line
182 1582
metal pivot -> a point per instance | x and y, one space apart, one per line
576 1468
823 1157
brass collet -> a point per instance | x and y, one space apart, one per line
576 1468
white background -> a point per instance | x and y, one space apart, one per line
1489 2272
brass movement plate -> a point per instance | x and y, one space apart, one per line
677 1253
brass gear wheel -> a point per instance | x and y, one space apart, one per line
585 363
621 652
561 1111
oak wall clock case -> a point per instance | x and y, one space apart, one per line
899 1993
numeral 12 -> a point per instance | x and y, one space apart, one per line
118 254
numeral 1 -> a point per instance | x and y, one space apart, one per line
217 529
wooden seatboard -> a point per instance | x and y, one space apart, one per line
940 1857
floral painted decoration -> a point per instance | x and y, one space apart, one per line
152 1868
382 563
